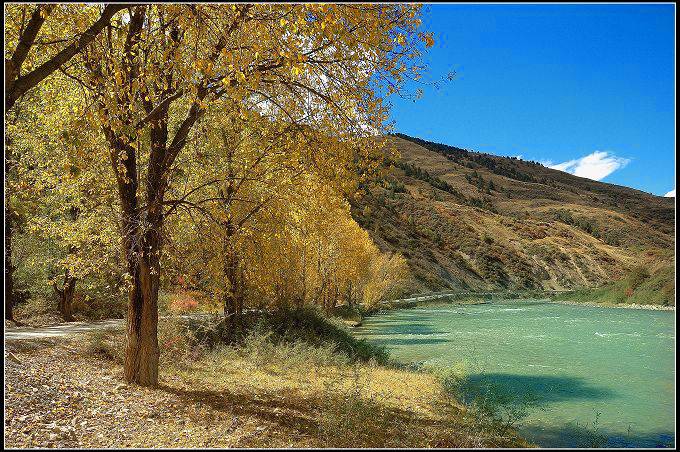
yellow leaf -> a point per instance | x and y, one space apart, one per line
429 41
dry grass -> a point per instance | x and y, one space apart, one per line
259 394
443 236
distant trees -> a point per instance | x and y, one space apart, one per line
472 159
587 225
40 40
417 172
590 226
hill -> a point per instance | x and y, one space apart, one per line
470 220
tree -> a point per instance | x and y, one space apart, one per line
324 66
53 44
252 162
58 194
34 51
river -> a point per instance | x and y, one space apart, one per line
593 375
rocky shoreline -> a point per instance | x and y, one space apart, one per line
651 307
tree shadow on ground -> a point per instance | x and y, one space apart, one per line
290 411
332 420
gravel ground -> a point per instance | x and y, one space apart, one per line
59 398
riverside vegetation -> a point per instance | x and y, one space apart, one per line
288 378
236 161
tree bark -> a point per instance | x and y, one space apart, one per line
142 353
142 253
143 244
233 277
141 232
350 298
65 294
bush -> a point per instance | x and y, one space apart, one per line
38 310
308 324
284 327
260 348
636 277
99 307
182 302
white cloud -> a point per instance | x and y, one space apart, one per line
670 194
596 166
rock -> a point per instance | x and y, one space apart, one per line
121 386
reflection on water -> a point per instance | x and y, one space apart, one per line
596 376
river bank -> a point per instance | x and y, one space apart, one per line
297 380
651 307
593 377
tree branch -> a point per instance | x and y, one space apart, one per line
21 84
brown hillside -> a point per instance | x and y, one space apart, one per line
471 220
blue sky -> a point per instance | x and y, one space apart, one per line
586 88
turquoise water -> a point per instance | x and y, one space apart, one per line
610 372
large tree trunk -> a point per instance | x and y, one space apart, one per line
141 230
143 263
142 353
65 294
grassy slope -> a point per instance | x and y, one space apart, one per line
484 222
651 283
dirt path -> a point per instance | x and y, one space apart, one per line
60 330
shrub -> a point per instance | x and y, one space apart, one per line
353 416
636 277
261 348
291 328
182 302
38 310
310 325
100 306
